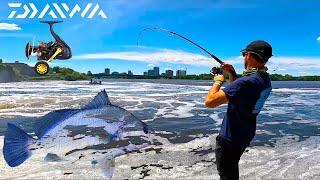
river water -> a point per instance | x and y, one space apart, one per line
286 143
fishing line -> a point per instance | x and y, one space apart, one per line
180 36
171 33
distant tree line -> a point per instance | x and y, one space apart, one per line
197 77
69 74
274 77
287 77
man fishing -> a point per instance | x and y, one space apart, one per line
245 96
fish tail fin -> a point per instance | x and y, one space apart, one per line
15 149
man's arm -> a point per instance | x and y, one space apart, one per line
215 95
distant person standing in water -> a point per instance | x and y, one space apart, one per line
245 96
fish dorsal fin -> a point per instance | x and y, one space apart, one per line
99 101
51 120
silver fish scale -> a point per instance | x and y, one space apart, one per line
97 129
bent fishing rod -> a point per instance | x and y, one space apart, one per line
180 36
214 70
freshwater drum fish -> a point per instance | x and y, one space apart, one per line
99 130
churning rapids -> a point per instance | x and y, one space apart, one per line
287 144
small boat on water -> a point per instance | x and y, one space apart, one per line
95 81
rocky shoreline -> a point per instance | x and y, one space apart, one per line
8 74
13 72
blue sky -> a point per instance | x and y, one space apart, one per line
224 27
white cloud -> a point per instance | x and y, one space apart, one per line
155 57
282 65
286 65
318 39
297 62
9 27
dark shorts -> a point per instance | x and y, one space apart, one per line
227 158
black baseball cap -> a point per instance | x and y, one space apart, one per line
261 48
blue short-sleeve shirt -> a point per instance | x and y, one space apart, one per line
246 96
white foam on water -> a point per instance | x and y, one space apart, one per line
163 132
297 90
287 160
183 110
270 123
45 96
293 160
260 131
274 111
297 100
215 117
176 93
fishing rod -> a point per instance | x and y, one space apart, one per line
214 70
180 36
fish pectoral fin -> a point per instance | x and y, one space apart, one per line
107 166
51 157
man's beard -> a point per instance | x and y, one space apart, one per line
245 64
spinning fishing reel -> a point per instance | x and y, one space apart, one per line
216 70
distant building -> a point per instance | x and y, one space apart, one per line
107 71
114 73
151 72
169 74
130 73
181 73
1 61
156 71
145 73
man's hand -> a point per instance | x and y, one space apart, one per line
215 95
219 77
229 70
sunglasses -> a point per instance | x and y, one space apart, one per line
246 52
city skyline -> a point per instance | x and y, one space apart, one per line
150 72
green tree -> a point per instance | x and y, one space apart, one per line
56 69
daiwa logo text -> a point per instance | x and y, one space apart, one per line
55 10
